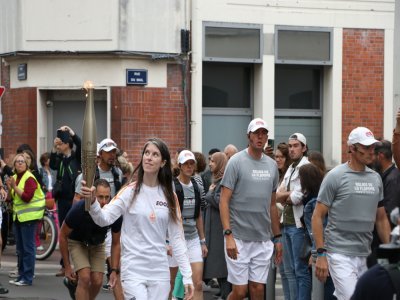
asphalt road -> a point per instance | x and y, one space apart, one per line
46 286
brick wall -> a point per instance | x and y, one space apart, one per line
19 119
139 113
362 85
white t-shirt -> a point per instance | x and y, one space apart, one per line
144 232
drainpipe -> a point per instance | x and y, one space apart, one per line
196 87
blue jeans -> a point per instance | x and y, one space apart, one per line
26 249
289 283
294 239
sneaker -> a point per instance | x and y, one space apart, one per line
22 283
40 248
13 281
71 286
106 287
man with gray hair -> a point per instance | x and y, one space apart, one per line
352 195
230 150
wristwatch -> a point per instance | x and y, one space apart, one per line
227 232
321 250
115 270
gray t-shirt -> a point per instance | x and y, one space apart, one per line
252 183
189 223
107 175
352 198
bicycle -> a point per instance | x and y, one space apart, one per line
48 235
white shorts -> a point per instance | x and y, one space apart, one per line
252 263
107 243
146 289
194 250
345 271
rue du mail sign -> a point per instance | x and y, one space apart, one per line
136 77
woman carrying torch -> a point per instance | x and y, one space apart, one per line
149 209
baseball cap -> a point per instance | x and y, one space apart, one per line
361 135
256 124
185 155
106 145
298 136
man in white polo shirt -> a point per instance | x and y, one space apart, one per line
351 194
249 215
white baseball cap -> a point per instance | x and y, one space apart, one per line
298 136
256 124
106 145
185 155
361 135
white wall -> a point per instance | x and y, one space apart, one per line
92 25
67 72
315 13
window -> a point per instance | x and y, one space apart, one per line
303 45
298 105
232 42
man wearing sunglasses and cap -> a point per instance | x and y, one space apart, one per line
351 194
249 215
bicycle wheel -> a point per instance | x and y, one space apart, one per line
48 237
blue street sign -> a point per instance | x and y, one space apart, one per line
136 77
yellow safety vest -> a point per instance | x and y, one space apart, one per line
34 209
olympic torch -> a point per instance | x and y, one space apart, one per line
89 140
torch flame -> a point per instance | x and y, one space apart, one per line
88 84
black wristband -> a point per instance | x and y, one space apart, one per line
277 236
114 270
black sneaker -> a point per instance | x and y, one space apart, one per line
71 286
106 287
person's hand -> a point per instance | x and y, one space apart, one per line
69 273
189 291
67 128
88 192
204 250
10 183
3 194
269 151
113 279
278 252
231 248
169 250
321 268
289 201
212 187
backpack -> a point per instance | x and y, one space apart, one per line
115 174
181 196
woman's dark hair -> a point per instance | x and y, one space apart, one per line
33 166
43 158
200 162
284 149
318 160
164 175
310 179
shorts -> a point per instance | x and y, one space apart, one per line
140 289
83 256
345 271
252 263
194 250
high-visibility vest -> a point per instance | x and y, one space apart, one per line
34 209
